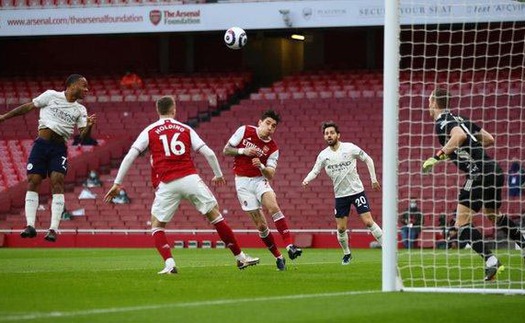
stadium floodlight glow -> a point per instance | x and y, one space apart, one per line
297 37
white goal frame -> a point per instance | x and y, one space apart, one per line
391 281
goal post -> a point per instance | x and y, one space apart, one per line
476 50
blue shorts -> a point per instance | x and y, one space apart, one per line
343 204
46 157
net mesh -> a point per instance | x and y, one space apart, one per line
474 51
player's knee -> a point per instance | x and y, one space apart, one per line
272 209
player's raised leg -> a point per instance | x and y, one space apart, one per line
269 200
375 229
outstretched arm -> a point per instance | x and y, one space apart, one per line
457 138
314 172
18 111
372 171
212 160
122 171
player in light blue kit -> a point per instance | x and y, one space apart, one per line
339 162
59 114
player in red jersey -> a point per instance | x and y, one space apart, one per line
255 160
175 178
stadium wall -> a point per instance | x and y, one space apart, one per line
144 240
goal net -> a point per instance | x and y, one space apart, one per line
476 50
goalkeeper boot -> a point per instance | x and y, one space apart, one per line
29 232
492 271
346 259
51 235
247 262
281 264
294 252
169 267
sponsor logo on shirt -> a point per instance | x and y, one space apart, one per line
59 113
260 152
340 166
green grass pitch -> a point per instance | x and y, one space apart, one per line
122 285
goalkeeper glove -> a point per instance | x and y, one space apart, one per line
429 163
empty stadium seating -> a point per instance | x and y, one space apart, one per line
354 101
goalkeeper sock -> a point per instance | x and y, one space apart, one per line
512 230
269 241
161 243
226 234
342 237
473 236
282 226
376 232
30 207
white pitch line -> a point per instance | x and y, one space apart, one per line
39 315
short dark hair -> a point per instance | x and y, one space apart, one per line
164 104
329 124
271 114
73 78
441 96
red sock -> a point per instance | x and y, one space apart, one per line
269 241
282 227
227 236
162 245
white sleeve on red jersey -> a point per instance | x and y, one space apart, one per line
212 160
272 160
196 141
142 141
236 138
125 165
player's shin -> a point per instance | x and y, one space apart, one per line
31 205
226 234
342 238
282 227
269 241
473 236
161 243
57 207
376 232
512 229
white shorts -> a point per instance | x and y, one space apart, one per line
250 191
169 195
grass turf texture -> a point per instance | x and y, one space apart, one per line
122 285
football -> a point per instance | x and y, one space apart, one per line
235 38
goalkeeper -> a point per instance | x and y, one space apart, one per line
463 143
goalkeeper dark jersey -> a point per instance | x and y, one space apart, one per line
471 158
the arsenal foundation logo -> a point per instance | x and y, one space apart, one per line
155 16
